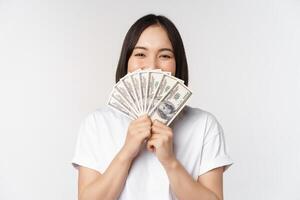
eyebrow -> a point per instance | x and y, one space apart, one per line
162 49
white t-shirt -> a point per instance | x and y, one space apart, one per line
198 143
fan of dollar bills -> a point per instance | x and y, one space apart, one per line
153 92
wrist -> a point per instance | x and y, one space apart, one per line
171 164
124 157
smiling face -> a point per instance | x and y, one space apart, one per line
153 51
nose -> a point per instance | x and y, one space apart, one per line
151 63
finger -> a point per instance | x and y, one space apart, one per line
154 136
141 130
161 130
144 121
139 119
156 129
158 123
143 117
152 145
146 135
160 137
141 125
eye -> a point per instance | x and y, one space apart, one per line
165 56
139 55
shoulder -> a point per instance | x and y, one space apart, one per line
103 115
195 121
198 115
207 121
105 120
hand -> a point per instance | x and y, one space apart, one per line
161 142
138 131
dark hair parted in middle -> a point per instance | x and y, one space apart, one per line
134 34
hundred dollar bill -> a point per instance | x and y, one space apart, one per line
135 77
127 81
154 81
144 86
159 70
142 91
155 76
168 73
116 105
121 88
166 85
171 104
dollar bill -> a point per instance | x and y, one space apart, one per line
116 105
144 86
124 94
165 86
127 81
153 92
171 104
136 80
155 79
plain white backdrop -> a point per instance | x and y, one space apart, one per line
58 60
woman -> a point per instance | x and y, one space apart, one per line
122 159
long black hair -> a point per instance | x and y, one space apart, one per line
135 32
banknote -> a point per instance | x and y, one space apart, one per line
115 104
171 104
136 80
154 92
128 83
124 94
144 76
155 79
165 86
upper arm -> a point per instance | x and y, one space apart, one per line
213 180
85 177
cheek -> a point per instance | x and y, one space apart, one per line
133 64
170 67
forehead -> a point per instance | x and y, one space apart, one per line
154 37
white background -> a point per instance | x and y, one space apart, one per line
58 60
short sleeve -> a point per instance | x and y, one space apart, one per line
86 145
214 150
